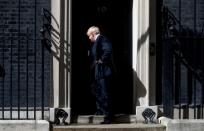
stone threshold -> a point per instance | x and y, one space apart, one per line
110 127
96 119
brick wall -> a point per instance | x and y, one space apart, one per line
192 15
187 12
23 73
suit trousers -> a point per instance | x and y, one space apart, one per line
103 94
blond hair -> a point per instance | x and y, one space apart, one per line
93 30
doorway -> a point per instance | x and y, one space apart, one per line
115 21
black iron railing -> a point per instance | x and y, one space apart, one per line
182 68
25 71
23 84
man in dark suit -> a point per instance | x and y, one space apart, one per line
101 72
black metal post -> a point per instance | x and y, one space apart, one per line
167 77
19 43
202 68
43 40
194 62
179 63
11 74
3 77
35 50
27 78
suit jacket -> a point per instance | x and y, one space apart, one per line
102 50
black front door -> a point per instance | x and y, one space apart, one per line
114 20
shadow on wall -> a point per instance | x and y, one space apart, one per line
142 39
54 40
139 89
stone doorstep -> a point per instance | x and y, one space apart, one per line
96 119
182 124
111 127
24 125
88 119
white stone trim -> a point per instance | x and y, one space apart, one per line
141 51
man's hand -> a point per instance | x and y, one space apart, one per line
99 61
